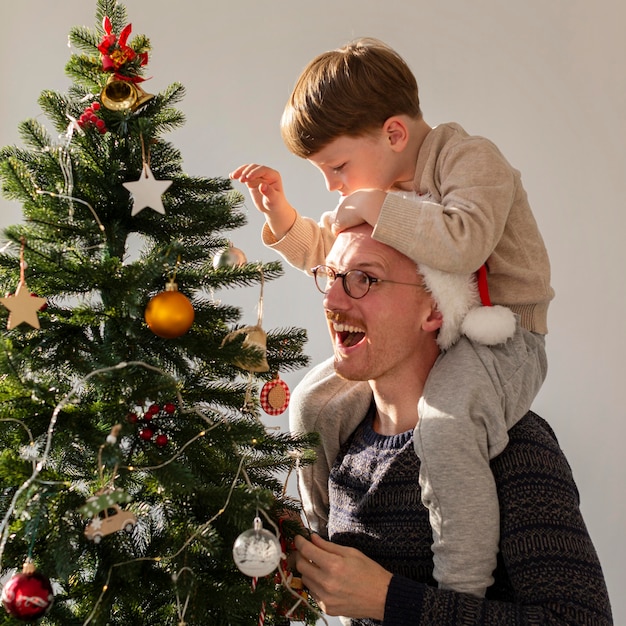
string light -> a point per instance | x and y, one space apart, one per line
72 199
181 610
41 462
171 459
158 559
240 473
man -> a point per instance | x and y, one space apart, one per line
452 203
377 566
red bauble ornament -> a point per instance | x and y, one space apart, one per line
170 313
161 440
28 595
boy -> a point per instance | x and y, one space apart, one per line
450 202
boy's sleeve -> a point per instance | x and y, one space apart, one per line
473 193
306 244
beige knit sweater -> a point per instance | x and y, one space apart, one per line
471 209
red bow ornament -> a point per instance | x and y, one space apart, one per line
116 53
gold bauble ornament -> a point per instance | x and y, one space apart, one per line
169 314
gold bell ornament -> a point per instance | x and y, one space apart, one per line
123 95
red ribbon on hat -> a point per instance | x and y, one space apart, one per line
483 287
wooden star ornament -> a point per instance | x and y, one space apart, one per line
23 307
147 191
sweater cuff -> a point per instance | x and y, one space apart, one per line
291 246
403 606
398 222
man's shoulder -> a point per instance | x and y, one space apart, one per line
533 428
322 398
533 454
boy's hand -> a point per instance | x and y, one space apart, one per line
265 185
358 208
266 189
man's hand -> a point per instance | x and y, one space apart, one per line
343 581
266 189
358 208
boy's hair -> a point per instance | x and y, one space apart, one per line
351 92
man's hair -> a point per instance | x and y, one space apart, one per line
351 92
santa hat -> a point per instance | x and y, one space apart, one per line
464 303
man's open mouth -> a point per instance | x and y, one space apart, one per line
348 335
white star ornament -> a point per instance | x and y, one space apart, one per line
147 191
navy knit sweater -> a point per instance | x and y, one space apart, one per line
548 570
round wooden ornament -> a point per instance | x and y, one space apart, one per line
275 396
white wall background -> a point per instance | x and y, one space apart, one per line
545 80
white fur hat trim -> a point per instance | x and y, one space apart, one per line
490 325
458 300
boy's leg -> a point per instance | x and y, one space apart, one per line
473 395
333 407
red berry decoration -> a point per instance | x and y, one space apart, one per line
28 595
153 409
88 118
146 434
149 422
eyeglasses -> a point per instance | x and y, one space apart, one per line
356 283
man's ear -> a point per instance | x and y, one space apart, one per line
433 322
397 132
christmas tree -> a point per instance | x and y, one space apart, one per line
133 456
